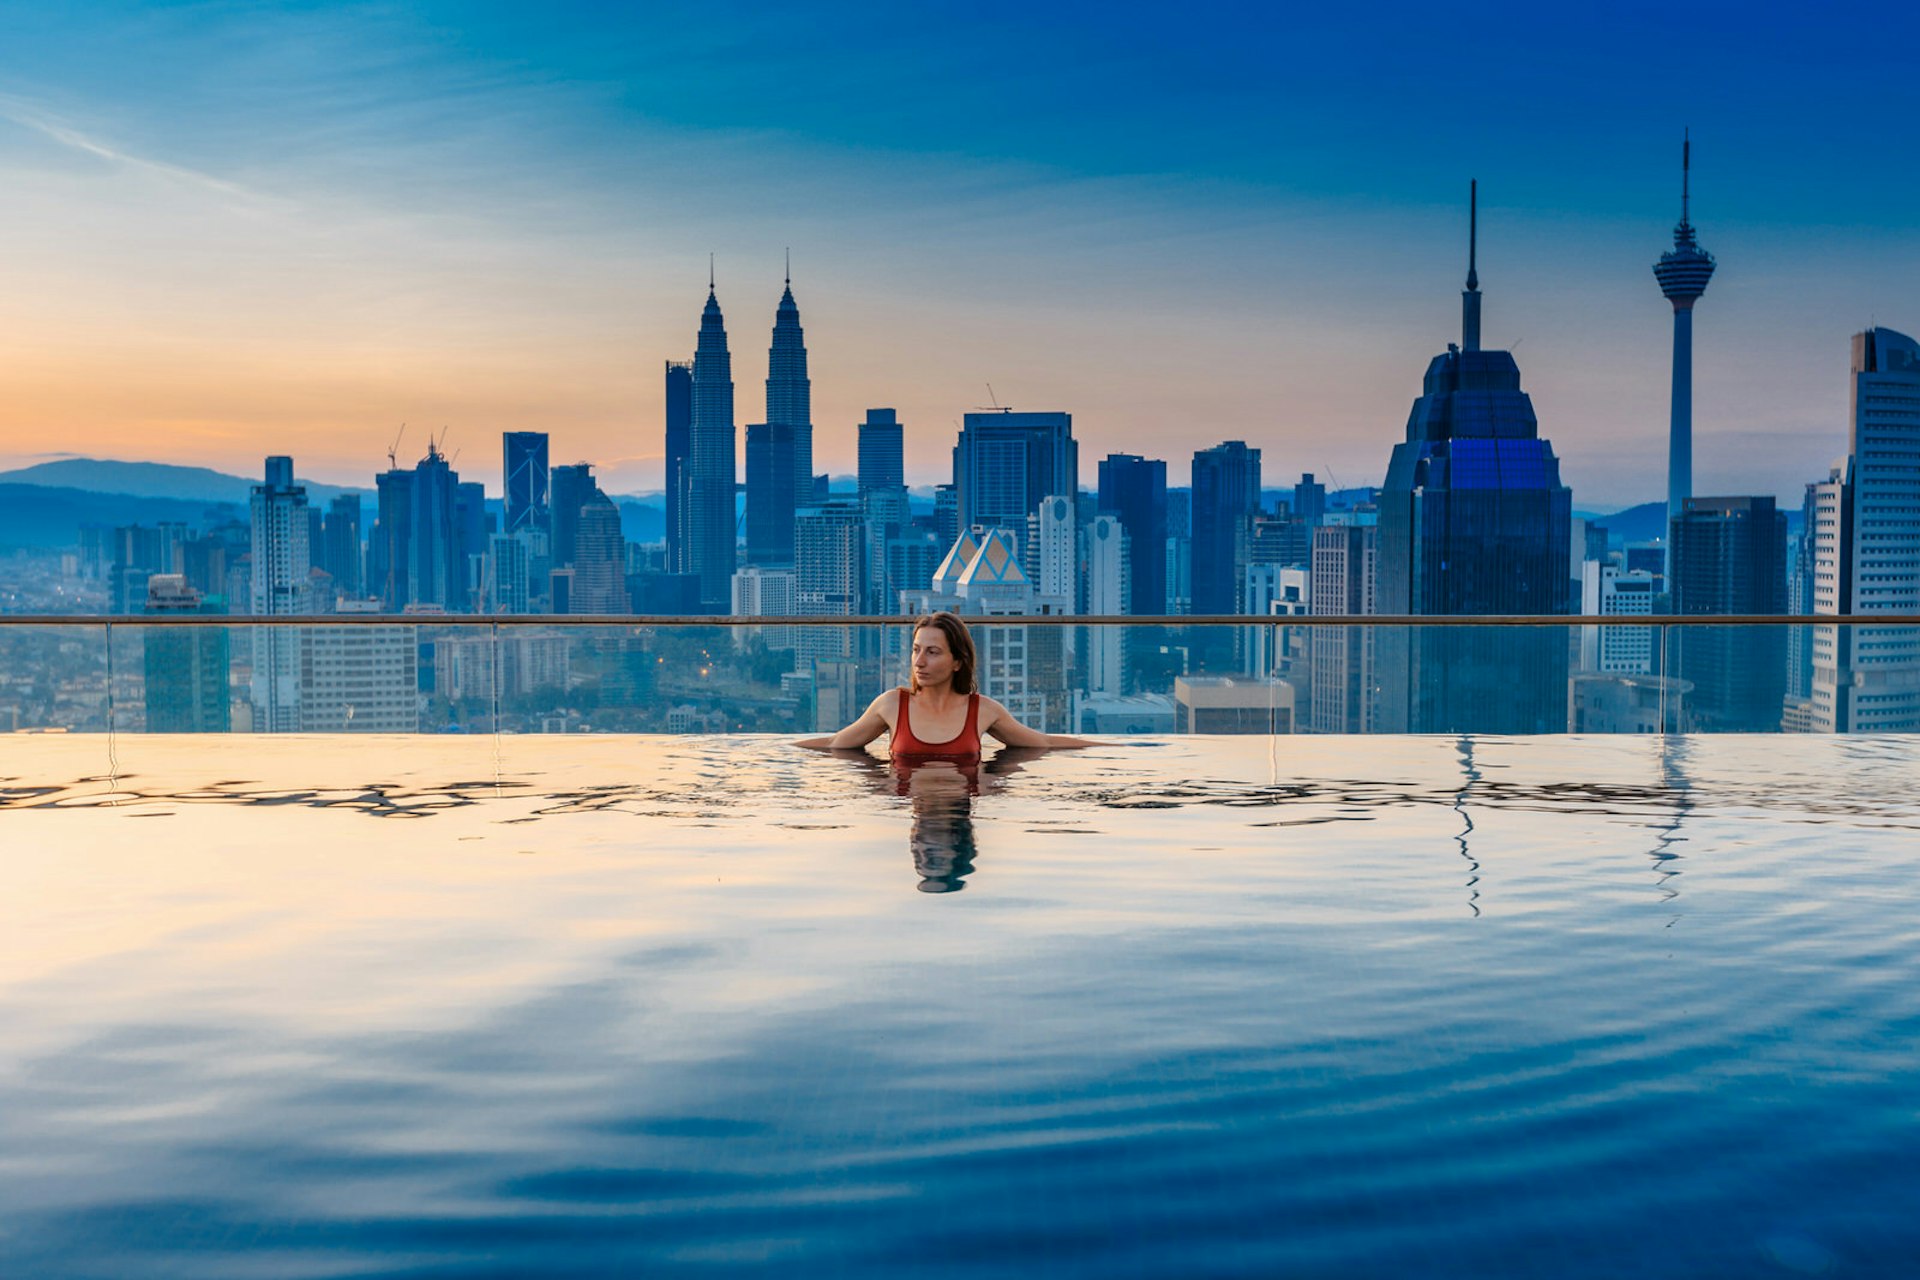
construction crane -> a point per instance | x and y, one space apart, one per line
393 450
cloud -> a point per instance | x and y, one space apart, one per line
30 116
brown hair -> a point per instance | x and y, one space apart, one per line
959 641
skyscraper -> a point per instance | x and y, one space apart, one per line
1135 489
342 533
1226 496
572 489
882 450
1344 695
390 549
1683 272
599 559
829 567
1004 463
525 468
1867 549
790 392
710 462
186 667
1728 557
281 564
770 493
1107 585
1473 520
438 574
883 500
679 436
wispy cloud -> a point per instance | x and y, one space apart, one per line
30 115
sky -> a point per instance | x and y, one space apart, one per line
236 229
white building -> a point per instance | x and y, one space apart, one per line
1607 590
1867 549
359 679
1107 594
282 562
761 592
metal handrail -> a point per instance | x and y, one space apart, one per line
572 620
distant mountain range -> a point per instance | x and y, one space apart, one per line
44 505
156 480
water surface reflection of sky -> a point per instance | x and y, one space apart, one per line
558 1006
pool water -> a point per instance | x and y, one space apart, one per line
1195 1007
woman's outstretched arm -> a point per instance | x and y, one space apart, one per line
869 726
998 721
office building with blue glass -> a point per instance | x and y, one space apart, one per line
1473 520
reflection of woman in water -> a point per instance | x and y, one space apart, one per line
942 713
935 725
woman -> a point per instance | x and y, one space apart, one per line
942 714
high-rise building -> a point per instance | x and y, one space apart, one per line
1729 558
341 542
390 549
509 578
1867 549
438 573
1226 497
1800 604
1473 520
525 467
770 493
883 500
1309 502
763 592
186 667
790 391
572 487
1135 489
882 450
679 443
1607 590
1108 581
282 560
830 573
1683 273
710 462
358 679
599 559
1344 696
1004 463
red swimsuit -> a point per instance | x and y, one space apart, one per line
964 746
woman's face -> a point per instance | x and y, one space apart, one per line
932 657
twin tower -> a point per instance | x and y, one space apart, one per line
701 444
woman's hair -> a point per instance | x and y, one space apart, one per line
959 643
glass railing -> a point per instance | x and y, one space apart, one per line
359 673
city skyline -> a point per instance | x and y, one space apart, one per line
504 230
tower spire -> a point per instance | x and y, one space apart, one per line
709 273
1470 298
1686 176
789 268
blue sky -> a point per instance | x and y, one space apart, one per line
236 224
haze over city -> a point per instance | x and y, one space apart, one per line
237 229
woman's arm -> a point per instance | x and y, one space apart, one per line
869 726
998 721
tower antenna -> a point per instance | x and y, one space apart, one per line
1470 297
1686 174
1473 233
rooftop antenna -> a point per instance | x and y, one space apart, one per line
1470 299
1686 174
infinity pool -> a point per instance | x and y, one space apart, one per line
1199 1007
